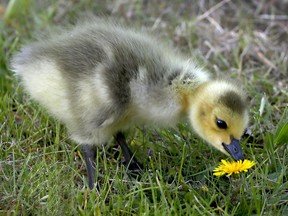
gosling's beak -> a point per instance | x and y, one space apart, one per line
234 149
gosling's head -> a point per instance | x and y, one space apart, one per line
219 115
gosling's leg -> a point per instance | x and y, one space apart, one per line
89 152
130 161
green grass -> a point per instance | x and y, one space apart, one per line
42 171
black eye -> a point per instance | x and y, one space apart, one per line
221 124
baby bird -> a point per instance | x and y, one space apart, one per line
101 78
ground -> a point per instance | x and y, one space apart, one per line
42 171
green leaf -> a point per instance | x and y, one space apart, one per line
282 136
281 133
16 8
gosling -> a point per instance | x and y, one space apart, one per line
100 78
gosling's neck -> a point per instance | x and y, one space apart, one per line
188 83
190 97
188 91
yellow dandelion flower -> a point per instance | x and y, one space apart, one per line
229 168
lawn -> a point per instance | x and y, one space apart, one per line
42 171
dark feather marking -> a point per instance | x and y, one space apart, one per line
233 101
172 76
78 57
118 74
